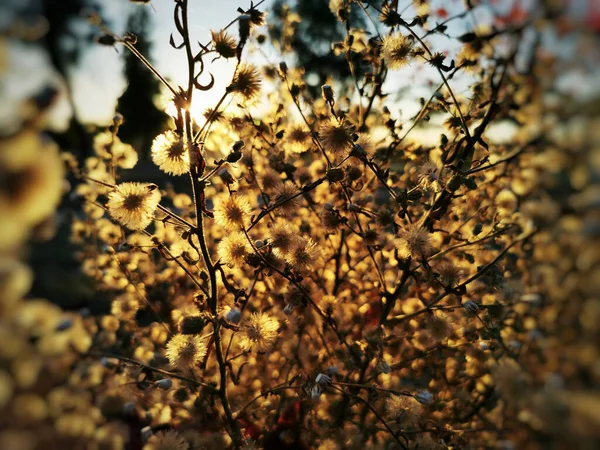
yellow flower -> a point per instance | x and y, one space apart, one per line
259 333
396 49
111 148
298 140
166 440
133 204
185 350
125 307
170 154
232 213
233 249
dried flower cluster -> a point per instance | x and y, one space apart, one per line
327 281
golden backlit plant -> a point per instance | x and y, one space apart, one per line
326 282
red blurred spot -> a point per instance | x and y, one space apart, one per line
250 429
373 314
291 416
592 20
516 15
441 12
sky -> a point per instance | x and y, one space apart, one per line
98 82
104 63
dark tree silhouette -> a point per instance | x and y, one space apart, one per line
311 43
65 42
143 119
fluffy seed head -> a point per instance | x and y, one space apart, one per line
429 177
396 50
232 213
233 249
133 204
298 140
413 241
111 148
170 154
246 82
330 220
286 194
509 379
125 307
166 440
271 180
185 350
282 239
448 272
259 332
337 136
304 254
403 408
439 326
224 43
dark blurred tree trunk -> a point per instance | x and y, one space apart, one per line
64 47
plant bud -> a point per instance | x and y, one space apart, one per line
315 392
289 308
424 397
226 177
234 157
471 307
332 370
64 324
109 363
146 433
283 67
327 93
117 119
354 173
295 90
353 207
107 40
328 207
384 367
129 409
165 384
238 145
454 183
244 26
234 315
192 325
414 195
254 260
323 380
130 38
334 175
181 395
